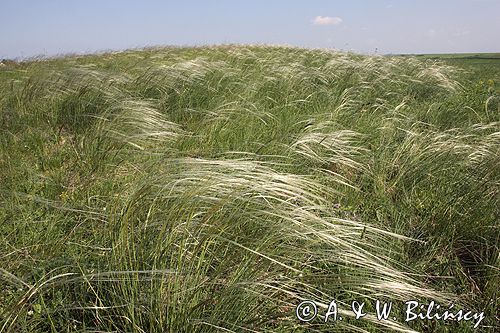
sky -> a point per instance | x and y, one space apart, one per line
53 27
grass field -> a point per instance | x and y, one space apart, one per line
213 189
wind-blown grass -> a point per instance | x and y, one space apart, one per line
214 189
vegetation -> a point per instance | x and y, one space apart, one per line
213 189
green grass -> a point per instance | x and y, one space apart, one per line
213 189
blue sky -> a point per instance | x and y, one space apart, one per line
51 27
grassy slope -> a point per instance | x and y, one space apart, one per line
195 189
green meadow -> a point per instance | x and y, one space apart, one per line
213 189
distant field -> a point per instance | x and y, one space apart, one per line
479 66
214 189
461 56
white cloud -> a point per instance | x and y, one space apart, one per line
461 33
326 20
